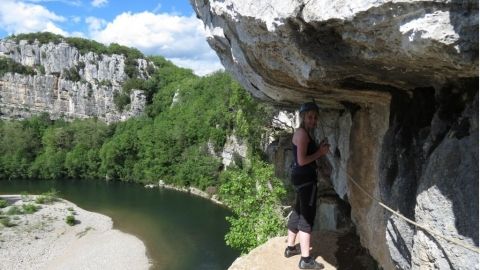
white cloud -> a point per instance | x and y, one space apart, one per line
76 19
50 27
199 66
99 3
20 17
95 24
178 38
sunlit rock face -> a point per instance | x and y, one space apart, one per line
51 91
397 82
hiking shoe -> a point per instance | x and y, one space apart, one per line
291 252
309 264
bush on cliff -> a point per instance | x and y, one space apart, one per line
254 194
8 65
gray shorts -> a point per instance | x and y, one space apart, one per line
298 222
304 212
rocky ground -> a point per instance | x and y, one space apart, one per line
44 240
340 251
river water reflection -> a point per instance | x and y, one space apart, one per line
180 231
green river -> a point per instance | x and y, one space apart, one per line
180 231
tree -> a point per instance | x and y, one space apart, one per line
254 195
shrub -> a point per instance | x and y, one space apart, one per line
8 65
47 197
3 203
5 221
70 220
71 74
30 208
25 196
81 65
40 70
254 195
42 37
72 211
121 100
14 210
105 83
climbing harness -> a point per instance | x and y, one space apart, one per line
389 209
312 195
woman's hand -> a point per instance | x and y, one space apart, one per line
323 149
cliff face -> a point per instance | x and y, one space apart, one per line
67 84
397 82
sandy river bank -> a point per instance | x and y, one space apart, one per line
43 240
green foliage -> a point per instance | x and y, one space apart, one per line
81 65
14 210
70 220
42 37
25 196
119 155
196 167
20 143
254 195
130 53
40 70
87 45
121 100
83 45
71 74
6 222
131 68
8 65
30 208
133 84
47 197
3 203
105 83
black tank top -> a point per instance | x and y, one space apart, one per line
308 169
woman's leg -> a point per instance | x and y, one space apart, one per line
304 239
291 238
292 225
306 219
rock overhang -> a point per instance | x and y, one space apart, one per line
339 52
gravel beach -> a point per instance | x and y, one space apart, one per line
43 240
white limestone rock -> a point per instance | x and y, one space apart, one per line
51 91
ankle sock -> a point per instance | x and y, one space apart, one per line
307 259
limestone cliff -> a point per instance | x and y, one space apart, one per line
398 85
66 82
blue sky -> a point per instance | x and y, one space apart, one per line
167 28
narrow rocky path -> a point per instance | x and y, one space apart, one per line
334 250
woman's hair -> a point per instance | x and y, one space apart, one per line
302 117
304 109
